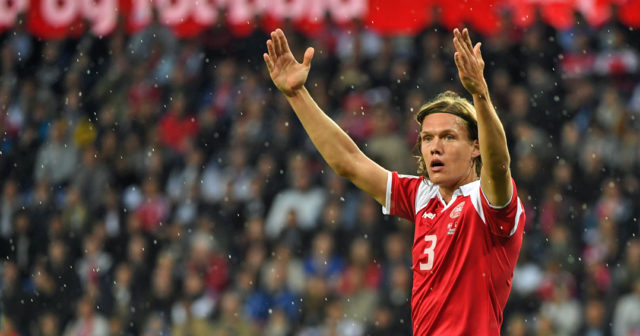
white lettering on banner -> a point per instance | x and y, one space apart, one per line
345 10
206 12
59 13
9 10
102 14
281 9
243 11
595 11
316 10
239 11
585 6
174 11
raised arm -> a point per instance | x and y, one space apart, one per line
495 177
335 146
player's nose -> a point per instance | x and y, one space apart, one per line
435 146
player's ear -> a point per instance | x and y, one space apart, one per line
476 149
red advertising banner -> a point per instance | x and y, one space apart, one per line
56 19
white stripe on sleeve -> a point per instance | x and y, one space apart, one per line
518 213
386 209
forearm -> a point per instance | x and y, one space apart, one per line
491 135
335 146
495 178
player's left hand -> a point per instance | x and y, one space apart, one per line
469 62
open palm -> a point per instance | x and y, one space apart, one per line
468 59
286 73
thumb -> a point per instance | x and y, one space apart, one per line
476 50
308 55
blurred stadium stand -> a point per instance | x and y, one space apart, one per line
161 185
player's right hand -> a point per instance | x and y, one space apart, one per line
287 74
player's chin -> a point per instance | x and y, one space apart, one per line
436 177
441 179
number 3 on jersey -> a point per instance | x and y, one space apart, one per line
429 251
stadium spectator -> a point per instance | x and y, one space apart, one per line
87 320
302 199
625 321
47 325
231 320
594 318
9 207
104 99
56 160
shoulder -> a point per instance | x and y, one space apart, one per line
426 188
426 191
412 180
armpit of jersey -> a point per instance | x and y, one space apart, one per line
406 195
502 221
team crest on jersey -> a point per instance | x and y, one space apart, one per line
452 227
455 213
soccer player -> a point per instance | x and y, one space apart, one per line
467 215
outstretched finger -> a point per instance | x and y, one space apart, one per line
268 61
276 43
456 35
458 41
456 59
460 49
460 63
466 41
456 44
271 50
283 40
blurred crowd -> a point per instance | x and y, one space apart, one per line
157 186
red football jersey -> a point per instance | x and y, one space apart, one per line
463 253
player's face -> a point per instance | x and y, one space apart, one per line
447 150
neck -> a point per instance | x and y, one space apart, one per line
446 194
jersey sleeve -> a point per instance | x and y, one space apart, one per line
503 220
401 195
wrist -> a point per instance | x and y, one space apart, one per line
482 93
296 93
